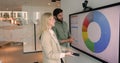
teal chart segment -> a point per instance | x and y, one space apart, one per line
103 23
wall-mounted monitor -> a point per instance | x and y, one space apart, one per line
96 32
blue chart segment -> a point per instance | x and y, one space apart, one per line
101 20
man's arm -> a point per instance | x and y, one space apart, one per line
70 40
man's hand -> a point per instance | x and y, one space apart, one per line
70 40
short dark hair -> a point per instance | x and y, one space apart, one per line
57 11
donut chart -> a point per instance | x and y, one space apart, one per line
104 39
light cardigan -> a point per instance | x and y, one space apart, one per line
51 47
52 33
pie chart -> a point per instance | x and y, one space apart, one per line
101 44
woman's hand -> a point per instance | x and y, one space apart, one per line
68 54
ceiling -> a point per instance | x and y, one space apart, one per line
17 4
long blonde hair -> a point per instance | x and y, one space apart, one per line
44 22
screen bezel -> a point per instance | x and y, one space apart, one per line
103 7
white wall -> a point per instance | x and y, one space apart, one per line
26 32
31 18
32 9
73 6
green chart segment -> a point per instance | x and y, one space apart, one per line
103 42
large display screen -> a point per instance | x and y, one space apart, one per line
96 32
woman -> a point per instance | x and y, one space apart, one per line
50 46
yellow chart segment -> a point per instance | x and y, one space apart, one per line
85 36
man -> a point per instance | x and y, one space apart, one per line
61 30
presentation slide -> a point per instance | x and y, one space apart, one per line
97 32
